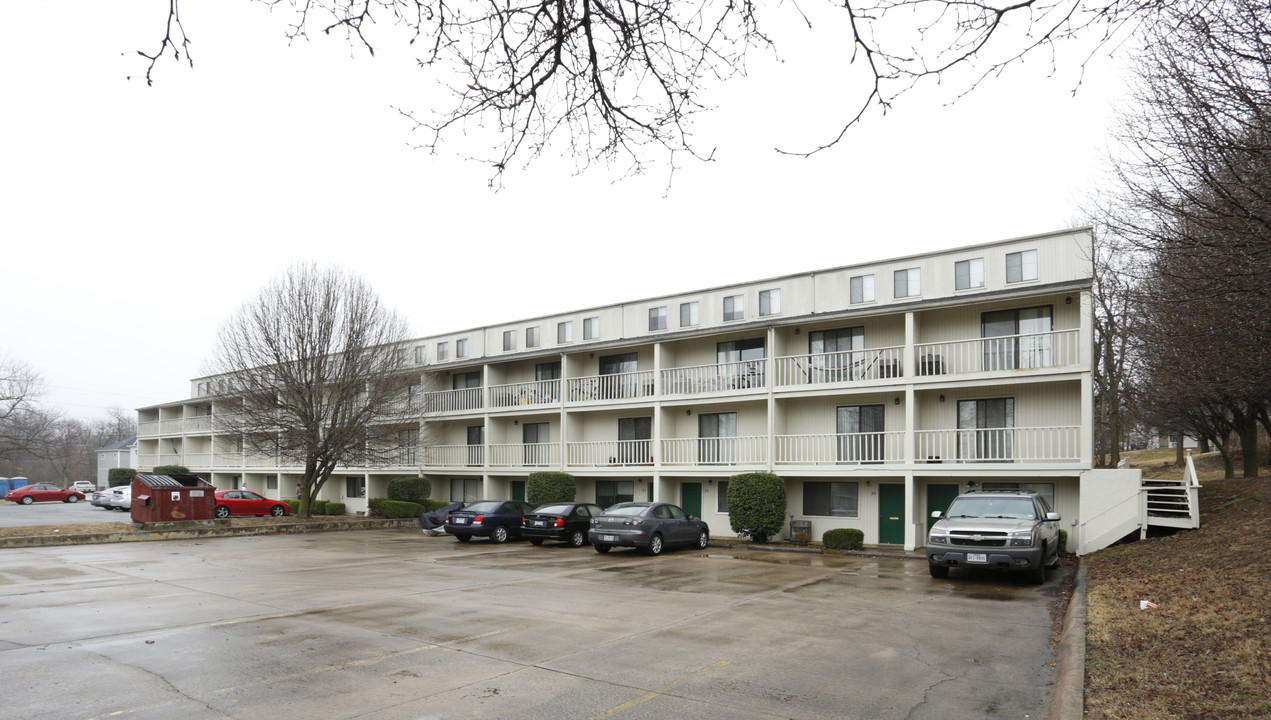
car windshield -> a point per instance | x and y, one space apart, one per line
485 506
1010 508
627 510
555 509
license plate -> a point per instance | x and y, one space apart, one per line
977 557
537 523
609 538
461 521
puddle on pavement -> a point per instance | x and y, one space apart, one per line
43 573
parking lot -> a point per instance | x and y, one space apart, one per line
56 513
391 624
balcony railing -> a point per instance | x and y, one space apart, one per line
199 424
999 445
455 456
453 400
541 392
841 449
852 366
748 450
196 460
525 455
1031 351
719 377
148 428
618 386
609 453
227 459
174 426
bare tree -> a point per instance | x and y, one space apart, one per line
24 425
313 372
617 79
1114 334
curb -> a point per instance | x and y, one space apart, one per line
183 531
1067 701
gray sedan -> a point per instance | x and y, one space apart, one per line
651 526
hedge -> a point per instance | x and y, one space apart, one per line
549 487
1063 541
843 539
319 507
335 508
120 476
756 505
399 509
409 489
294 505
169 469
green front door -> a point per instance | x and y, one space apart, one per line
518 490
891 511
939 495
691 498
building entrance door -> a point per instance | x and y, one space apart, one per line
691 498
518 490
891 511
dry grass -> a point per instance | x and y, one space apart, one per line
1205 651
127 527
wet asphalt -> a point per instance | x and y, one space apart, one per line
392 624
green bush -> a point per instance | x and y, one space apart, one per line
335 508
294 505
756 505
549 487
843 539
169 469
120 476
409 489
1063 541
319 507
400 509
373 507
431 505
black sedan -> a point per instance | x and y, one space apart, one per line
652 526
560 521
495 519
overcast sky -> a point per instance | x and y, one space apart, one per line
134 219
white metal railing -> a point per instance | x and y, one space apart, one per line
227 459
454 456
617 386
540 392
1017 444
148 428
172 427
841 449
453 400
525 455
609 453
201 460
747 450
1059 348
253 460
198 424
718 377
147 459
854 365
171 459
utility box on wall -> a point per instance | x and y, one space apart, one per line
172 498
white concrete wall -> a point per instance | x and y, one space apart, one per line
1111 508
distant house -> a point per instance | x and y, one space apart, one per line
122 454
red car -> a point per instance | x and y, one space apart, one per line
43 492
246 502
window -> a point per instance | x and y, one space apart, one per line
863 289
547 371
721 499
833 499
407 440
968 274
1021 266
860 433
634 435
688 314
271 482
461 348
657 318
770 302
591 328
1018 339
627 382
740 363
476 445
443 351
612 492
985 431
509 340
717 433
734 307
535 437
421 354
354 487
462 381
531 337
565 332
833 358
464 489
907 283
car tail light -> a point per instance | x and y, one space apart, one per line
560 522
477 520
447 518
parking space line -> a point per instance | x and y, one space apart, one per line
659 692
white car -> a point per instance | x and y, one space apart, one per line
101 498
84 486
121 498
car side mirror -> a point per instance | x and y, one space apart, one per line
1052 517
937 514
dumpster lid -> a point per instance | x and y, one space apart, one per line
177 480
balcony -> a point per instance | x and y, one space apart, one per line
747 450
873 448
609 453
454 456
525 455
840 367
463 400
1033 351
617 386
541 392
718 377
148 428
1060 444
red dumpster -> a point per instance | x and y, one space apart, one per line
172 498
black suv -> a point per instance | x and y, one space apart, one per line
1009 530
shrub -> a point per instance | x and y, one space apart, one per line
294 505
549 487
756 505
409 489
1063 541
843 539
400 509
431 505
120 476
169 469
802 539
334 508
319 507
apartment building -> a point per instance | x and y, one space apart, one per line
877 391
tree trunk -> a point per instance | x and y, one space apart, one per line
1178 448
1249 447
1204 444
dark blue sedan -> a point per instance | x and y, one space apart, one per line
495 519
651 526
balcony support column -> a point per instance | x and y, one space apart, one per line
1086 342
769 382
911 512
911 367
